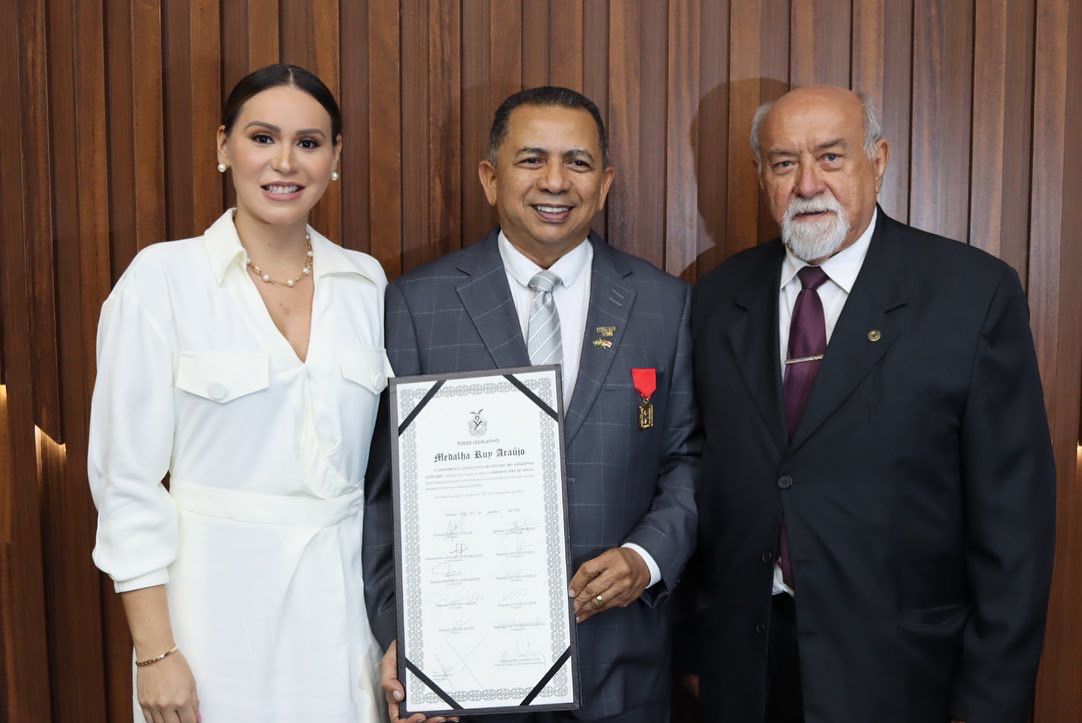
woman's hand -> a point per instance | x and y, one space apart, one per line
166 691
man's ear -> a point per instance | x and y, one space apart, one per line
882 157
606 183
487 173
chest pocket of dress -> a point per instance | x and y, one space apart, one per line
366 367
222 376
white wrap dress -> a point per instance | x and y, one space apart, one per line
258 537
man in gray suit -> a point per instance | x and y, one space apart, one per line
543 289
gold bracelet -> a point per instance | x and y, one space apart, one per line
155 659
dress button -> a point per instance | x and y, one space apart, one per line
768 557
785 482
760 628
217 392
379 381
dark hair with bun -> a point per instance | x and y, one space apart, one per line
272 76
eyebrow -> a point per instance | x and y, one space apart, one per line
276 129
573 153
775 152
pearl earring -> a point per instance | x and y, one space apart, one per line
335 175
221 168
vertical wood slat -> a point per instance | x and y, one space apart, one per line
416 247
881 67
711 135
22 602
353 44
1003 71
682 144
818 28
385 134
444 196
637 76
942 93
536 34
565 43
595 73
758 73
37 234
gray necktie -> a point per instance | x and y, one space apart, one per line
543 334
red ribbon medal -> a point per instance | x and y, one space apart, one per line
645 381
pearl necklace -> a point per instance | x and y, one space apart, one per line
306 270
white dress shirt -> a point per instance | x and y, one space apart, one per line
841 269
258 537
572 299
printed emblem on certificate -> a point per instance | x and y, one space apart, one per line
482 556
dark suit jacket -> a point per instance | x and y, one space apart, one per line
918 489
624 484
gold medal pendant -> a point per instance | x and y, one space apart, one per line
646 415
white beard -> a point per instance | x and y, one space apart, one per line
811 241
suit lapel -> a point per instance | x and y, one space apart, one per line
487 299
610 305
754 341
855 347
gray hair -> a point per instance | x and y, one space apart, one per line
873 131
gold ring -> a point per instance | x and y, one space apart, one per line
600 601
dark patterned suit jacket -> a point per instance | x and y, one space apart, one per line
624 484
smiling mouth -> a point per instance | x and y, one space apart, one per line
552 212
282 189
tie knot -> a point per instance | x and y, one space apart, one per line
812 277
544 281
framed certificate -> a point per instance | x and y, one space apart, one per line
482 556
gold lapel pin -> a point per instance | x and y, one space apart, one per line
603 343
874 335
606 331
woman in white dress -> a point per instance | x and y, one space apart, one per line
247 363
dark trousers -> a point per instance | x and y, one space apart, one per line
646 714
784 701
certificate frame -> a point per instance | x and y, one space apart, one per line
558 687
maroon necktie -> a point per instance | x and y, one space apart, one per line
807 344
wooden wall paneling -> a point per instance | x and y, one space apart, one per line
76 653
1003 74
148 130
758 73
122 103
1055 265
192 110
565 42
638 42
491 71
385 134
417 248
536 31
353 48
445 126
882 67
942 100
681 188
595 73
37 236
250 38
818 30
22 602
710 134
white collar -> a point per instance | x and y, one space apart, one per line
225 250
842 268
567 267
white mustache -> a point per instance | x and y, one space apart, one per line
819 204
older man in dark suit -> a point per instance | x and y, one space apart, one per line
543 289
877 495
